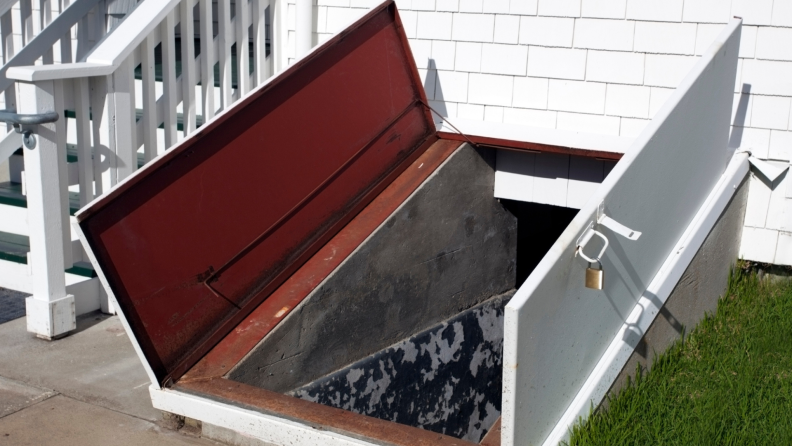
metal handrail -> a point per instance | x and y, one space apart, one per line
19 120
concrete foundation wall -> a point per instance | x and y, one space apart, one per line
697 292
450 246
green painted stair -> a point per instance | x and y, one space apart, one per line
14 248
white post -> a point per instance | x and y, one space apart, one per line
50 311
304 27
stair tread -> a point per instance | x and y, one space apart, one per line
14 248
11 194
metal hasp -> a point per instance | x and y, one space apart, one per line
18 121
201 236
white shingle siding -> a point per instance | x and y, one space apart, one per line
443 54
782 13
774 43
770 112
504 59
445 5
471 5
627 100
586 123
758 244
546 31
560 8
665 38
605 9
783 254
780 146
488 89
630 128
434 25
605 67
613 66
768 77
493 114
748 41
496 6
468 56
452 86
474 27
754 12
665 70
604 34
530 92
507 28
557 63
655 10
706 11
523 7
576 96
535 118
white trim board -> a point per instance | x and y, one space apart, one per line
264 427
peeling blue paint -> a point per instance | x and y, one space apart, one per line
446 379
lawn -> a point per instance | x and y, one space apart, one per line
729 382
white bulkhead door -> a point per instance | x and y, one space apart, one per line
556 329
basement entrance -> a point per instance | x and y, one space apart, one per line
363 264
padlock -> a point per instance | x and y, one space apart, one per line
595 277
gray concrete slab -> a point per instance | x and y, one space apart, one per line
15 396
64 421
97 364
12 305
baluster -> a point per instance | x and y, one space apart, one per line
84 157
125 128
100 21
188 66
224 40
242 39
104 160
50 311
45 7
63 173
207 60
66 40
149 98
169 78
7 39
26 21
280 34
83 37
262 66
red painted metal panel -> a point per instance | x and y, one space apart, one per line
197 240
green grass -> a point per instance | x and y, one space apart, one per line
728 383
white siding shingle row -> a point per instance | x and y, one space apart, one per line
605 67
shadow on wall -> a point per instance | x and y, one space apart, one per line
433 83
738 126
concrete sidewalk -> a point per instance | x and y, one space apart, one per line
86 389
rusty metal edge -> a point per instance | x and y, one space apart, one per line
508 144
321 417
493 437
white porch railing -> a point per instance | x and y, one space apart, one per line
135 95
29 36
